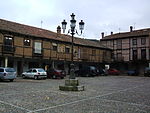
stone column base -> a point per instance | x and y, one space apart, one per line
71 85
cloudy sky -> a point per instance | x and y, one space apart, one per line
98 15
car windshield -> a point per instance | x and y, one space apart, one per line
147 68
9 70
58 70
92 68
41 70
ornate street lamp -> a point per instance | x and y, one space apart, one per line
72 84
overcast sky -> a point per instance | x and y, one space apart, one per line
98 15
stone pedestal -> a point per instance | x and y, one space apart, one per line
71 85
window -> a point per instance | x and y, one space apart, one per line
9 70
34 70
67 50
79 53
27 42
38 47
29 71
134 57
143 53
93 52
8 40
119 56
134 41
41 70
149 53
60 48
1 70
8 44
54 48
119 44
143 41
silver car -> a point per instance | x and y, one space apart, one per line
7 73
36 73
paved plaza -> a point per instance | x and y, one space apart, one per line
103 94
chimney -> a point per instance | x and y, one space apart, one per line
102 34
58 30
131 28
111 33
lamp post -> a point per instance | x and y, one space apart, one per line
72 82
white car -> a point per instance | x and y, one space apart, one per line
36 73
7 73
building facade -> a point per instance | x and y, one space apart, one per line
24 47
131 50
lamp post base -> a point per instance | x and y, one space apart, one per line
71 85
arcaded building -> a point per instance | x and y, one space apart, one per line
23 47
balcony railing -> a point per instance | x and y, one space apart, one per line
8 49
37 53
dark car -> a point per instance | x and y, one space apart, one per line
87 71
132 72
102 72
147 72
113 71
55 73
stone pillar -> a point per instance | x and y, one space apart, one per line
6 61
53 64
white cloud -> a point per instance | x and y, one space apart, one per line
98 15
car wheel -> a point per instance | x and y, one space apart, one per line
11 80
36 77
23 76
45 78
62 77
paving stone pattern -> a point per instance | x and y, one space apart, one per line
103 94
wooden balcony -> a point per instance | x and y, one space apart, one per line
8 49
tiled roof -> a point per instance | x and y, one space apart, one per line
134 33
42 33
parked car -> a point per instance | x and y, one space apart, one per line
7 73
147 72
87 71
132 72
36 73
102 72
113 71
55 73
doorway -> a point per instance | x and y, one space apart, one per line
19 68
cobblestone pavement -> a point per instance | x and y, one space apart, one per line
103 94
